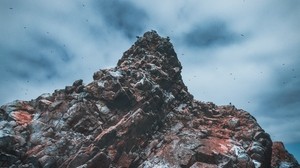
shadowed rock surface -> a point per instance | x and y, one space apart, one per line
138 114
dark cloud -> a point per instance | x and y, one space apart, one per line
21 64
53 47
38 66
122 16
40 58
210 34
284 99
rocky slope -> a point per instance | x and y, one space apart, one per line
138 114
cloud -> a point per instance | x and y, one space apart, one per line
210 34
39 58
122 16
286 90
53 47
28 68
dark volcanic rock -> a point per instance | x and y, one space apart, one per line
138 114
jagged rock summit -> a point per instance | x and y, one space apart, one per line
138 114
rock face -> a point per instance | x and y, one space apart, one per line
138 114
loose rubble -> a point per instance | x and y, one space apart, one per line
138 115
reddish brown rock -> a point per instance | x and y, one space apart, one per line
138 114
281 157
21 117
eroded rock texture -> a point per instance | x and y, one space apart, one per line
138 114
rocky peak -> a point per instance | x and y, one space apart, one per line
149 64
151 52
156 55
138 115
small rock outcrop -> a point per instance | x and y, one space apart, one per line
138 115
281 157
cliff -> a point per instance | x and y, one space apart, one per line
138 114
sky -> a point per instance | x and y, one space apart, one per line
240 51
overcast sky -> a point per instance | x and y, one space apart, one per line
239 51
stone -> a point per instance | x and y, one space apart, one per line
77 83
69 89
203 165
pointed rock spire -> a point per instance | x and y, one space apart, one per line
152 52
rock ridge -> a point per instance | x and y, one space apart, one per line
138 114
